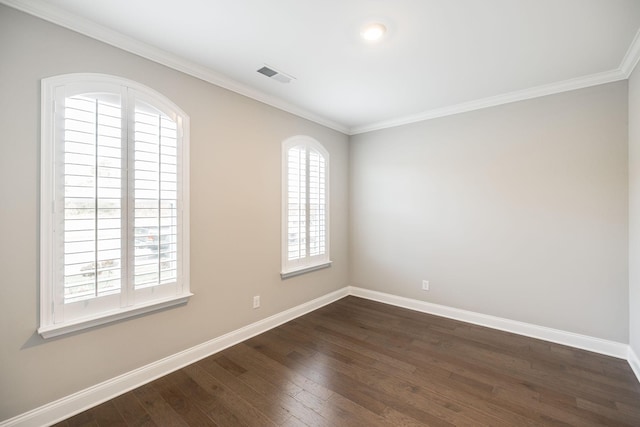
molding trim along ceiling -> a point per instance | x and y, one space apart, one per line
493 101
114 38
73 404
632 57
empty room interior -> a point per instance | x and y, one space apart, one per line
360 212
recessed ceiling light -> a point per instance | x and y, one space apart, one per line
373 32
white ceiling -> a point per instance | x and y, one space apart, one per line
439 56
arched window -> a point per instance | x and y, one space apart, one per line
305 206
114 202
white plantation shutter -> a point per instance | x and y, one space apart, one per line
92 176
296 204
113 225
305 206
155 209
317 203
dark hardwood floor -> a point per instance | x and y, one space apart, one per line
361 363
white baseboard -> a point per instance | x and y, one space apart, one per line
70 405
634 362
597 345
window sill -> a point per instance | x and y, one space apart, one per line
304 270
55 330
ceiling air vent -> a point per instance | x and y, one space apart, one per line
275 74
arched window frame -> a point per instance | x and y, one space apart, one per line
58 315
314 257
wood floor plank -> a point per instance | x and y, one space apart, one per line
593 365
270 408
159 410
357 362
395 391
235 403
298 410
278 373
294 422
181 404
209 403
342 341
487 360
132 411
441 389
353 389
107 415
83 419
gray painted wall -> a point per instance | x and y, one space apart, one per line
235 218
517 211
634 211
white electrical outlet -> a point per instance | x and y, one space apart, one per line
425 285
256 301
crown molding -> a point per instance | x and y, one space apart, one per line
632 56
493 101
98 32
114 38
627 65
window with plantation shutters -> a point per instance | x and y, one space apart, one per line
305 223
114 200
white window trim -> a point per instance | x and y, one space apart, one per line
303 270
287 269
47 327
